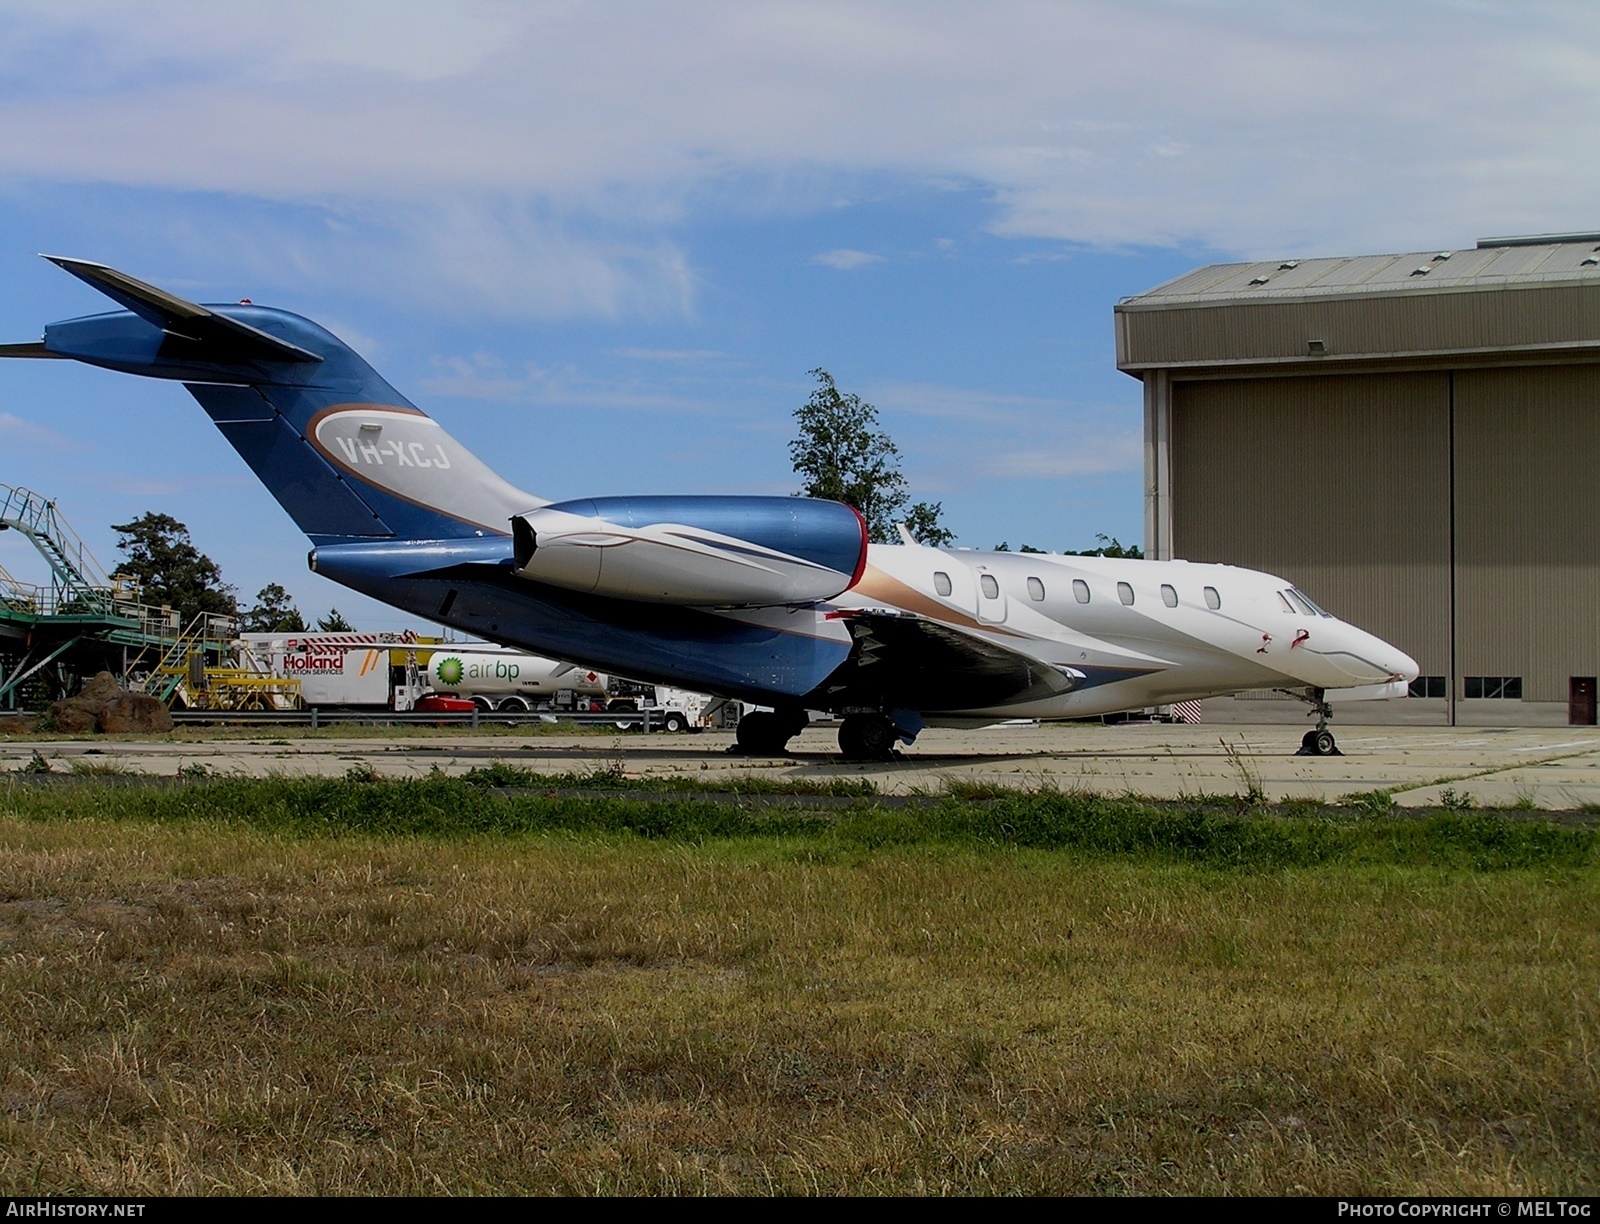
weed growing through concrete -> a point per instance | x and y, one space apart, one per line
1252 794
1371 803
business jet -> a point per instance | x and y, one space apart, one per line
777 601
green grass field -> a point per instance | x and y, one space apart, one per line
472 985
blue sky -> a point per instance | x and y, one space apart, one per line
604 243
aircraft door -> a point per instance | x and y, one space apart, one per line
991 596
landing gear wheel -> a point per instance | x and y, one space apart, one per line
866 737
762 734
1318 743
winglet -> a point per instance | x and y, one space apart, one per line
174 315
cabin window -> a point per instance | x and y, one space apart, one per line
1169 596
1080 590
1213 600
1125 593
1507 687
1035 590
941 582
991 588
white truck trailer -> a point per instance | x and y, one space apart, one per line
510 680
342 669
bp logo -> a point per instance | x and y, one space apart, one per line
450 671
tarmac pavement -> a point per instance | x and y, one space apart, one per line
1556 768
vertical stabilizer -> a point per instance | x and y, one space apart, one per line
343 452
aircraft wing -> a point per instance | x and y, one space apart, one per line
903 659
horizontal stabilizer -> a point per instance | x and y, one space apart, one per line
175 316
36 349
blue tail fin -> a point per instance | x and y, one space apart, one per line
344 453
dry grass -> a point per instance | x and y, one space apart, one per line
199 1007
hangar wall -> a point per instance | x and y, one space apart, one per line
1412 439
1528 526
1348 494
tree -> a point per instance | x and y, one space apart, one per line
843 456
274 612
334 623
1110 546
923 522
171 571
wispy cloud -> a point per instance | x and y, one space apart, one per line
974 404
484 376
1342 142
674 356
1085 455
846 260
16 433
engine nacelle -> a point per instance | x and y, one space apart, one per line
705 551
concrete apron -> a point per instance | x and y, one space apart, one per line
1556 768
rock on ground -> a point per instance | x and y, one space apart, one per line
104 705
134 712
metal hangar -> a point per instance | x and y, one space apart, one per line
1412 439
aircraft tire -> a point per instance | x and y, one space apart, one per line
866 737
1319 743
762 734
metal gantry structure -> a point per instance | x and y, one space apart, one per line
86 621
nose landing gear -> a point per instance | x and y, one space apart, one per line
1319 741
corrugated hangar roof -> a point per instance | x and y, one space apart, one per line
1543 259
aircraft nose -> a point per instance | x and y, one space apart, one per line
1405 665
1396 662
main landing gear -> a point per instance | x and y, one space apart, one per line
867 737
768 733
1319 741
863 736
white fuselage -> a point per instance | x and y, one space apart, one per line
1168 644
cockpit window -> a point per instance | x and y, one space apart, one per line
1287 606
1302 605
1302 597
1213 600
941 582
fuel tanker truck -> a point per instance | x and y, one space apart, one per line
510 680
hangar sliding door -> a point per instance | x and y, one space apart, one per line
1338 483
1528 526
